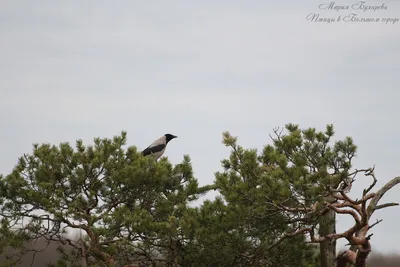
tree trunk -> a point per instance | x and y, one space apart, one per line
327 248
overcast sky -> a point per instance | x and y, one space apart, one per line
73 69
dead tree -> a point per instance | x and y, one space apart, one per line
360 209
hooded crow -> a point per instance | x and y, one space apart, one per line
157 148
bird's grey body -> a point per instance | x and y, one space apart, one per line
157 148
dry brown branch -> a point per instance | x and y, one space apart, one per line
346 257
344 211
375 223
358 259
370 172
385 206
359 239
374 202
359 209
344 196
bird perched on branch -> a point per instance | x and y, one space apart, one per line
157 148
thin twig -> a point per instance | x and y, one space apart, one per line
375 223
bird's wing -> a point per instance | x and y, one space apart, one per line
153 149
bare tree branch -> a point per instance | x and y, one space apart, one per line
375 223
374 202
386 205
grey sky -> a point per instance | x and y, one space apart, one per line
87 69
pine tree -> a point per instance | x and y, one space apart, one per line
107 205
296 186
129 208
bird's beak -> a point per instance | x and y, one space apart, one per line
174 136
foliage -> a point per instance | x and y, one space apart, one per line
127 205
298 170
296 186
227 236
107 205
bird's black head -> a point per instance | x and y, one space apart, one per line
169 137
